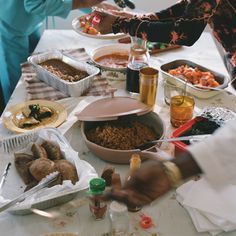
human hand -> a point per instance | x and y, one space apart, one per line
107 6
85 3
125 14
106 21
144 185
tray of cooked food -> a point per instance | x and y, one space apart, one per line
113 132
64 73
34 156
200 81
112 60
207 122
34 114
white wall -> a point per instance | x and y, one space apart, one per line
145 5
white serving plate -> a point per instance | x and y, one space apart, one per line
48 197
191 89
110 72
79 30
73 89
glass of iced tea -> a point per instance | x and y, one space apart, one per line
181 109
148 85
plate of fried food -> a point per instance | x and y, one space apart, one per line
34 156
34 114
84 25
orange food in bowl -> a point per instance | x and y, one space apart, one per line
195 76
86 25
113 60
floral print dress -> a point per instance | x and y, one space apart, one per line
184 22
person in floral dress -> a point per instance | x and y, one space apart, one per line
180 24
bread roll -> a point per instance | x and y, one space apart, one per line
38 151
53 150
40 168
67 170
22 163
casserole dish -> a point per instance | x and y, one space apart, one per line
73 89
109 109
191 89
107 71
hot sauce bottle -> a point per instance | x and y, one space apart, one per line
139 58
97 207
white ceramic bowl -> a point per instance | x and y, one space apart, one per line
106 71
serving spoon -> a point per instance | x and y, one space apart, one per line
191 138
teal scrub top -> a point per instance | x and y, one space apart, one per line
22 17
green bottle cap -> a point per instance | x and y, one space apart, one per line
97 186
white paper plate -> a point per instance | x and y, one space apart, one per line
78 29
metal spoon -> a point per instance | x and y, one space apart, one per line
184 138
47 214
4 176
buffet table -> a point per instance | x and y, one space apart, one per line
169 217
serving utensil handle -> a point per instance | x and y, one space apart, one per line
183 138
44 183
4 175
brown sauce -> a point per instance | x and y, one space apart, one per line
63 70
114 60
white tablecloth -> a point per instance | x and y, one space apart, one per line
170 219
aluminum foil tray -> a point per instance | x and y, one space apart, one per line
219 115
73 89
197 92
15 185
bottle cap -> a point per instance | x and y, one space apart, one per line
118 207
97 186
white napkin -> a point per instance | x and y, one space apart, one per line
211 210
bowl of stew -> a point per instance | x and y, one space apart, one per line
112 60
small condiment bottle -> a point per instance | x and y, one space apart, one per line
135 163
119 219
97 207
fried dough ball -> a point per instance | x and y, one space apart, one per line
67 170
42 167
53 150
22 163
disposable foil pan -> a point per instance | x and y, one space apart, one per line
191 89
73 89
15 186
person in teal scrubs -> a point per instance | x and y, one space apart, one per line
20 21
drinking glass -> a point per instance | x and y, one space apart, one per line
181 109
148 85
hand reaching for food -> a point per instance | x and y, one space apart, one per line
106 21
125 14
107 6
145 185
85 3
